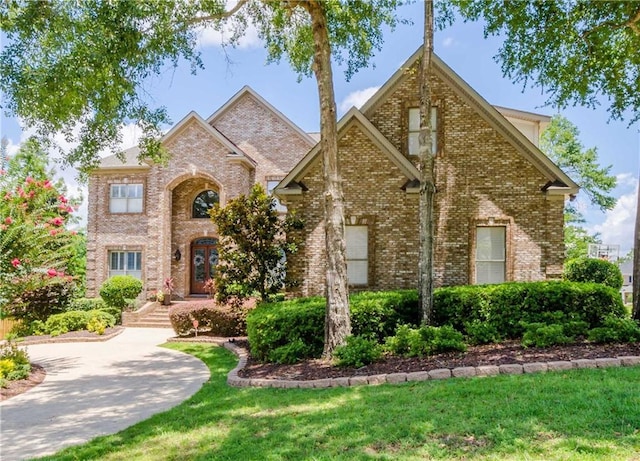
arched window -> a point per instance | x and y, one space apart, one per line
203 202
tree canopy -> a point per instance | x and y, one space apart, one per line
578 51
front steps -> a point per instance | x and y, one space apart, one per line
152 315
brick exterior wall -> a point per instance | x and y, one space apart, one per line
481 180
198 161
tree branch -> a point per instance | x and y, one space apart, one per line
632 23
215 17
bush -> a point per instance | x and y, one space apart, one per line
94 320
14 362
357 352
543 335
505 307
593 270
425 341
90 304
116 290
43 296
374 315
478 332
219 320
615 329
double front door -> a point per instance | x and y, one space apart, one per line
204 258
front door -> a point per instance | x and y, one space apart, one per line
204 258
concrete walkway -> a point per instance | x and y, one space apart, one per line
96 388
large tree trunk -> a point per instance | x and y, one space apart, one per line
337 324
427 174
636 263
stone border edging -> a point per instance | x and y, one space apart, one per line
396 378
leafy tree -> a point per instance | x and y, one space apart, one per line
560 141
579 51
121 43
255 242
576 237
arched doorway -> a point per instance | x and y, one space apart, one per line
204 258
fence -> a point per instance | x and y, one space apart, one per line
5 327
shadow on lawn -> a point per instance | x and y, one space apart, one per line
592 412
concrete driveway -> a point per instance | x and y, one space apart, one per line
96 388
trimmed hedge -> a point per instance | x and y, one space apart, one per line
594 271
508 306
288 331
219 320
118 289
91 304
93 320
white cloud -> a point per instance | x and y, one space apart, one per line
448 42
357 98
619 224
207 36
627 179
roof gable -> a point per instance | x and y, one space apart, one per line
485 110
353 117
248 91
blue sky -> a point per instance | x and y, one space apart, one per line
461 46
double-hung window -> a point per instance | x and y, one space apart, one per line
125 198
357 243
125 263
414 130
490 254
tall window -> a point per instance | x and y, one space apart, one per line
271 185
414 130
125 198
490 254
125 263
204 202
357 242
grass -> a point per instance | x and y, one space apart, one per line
581 414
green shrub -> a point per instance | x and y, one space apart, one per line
357 352
374 315
424 341
593 270
545 335
67 321
89 304
296 325
615 329
478 332
219 320
505 306
116 290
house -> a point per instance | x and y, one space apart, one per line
150 221
499 201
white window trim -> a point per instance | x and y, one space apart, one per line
129 200
359 257
414 132
125 270
502 260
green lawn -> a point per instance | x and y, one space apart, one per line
582 414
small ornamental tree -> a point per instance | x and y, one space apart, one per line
254 244
35 247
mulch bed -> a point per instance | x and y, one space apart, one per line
19 386
510 352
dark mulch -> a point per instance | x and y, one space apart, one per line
492 354
22 385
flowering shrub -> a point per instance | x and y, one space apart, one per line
14 362
35 247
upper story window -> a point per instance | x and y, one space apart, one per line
271 185
414 130
125 198
203 203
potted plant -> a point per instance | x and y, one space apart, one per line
167 290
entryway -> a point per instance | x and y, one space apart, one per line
204 258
